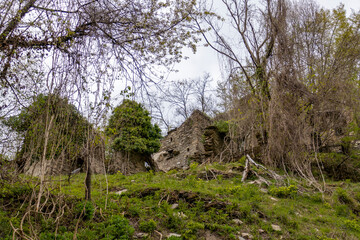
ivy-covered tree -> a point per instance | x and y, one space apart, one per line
131 129
67 130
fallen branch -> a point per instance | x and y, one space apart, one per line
250 161
246 171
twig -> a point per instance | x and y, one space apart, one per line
162 199
159 234
212 173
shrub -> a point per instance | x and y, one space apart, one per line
85 210
346 199
352 225
192 228
131 129
119 228
173 222
5 227
148 226
174 238
222 126
342 211
284 192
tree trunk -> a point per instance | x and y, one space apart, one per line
88 180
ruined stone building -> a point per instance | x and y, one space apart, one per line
195 140
129 163
62 164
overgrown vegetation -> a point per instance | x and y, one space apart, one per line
290 99
186 204
66 138
131 130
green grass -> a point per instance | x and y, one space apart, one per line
192 203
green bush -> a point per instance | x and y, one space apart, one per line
85 210
192 228
342 211
14 190
352 225
173 222
284 192
119 228
174 238
345 198
222 126
53 236
148 226
131 129
5 227
64 139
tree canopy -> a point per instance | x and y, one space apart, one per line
131 129
66 46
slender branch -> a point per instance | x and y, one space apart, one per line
15 21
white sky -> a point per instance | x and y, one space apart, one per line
206 60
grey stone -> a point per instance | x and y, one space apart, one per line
173 235
246 235
174 206
180 214
238 221
276 228
141 235
274 199
264 190
121 191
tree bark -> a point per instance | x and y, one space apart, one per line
88 180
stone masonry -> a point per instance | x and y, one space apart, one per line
184 144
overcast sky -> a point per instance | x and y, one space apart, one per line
206 60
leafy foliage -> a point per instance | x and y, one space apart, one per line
119 228
131 129
148 226
85 210
284 192
68 130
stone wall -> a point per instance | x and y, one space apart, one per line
63 165
184 144
128 163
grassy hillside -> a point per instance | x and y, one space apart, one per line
204 202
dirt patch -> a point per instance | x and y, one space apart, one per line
212 174
192 197
147 192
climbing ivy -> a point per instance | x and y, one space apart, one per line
131 129
67 134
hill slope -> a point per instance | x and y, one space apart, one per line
204 202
